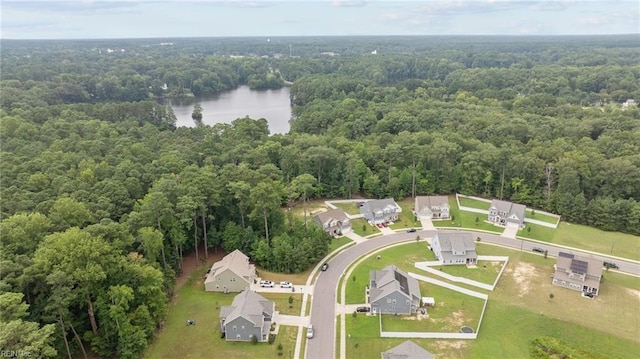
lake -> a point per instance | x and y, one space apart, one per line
272 105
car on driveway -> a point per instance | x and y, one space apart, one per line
537 250
310 331
266 284
363 309
324 267
285 284
411 230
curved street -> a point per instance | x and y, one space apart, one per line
323 314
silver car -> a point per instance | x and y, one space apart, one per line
310 331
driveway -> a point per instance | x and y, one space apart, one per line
293 320
510 231
427 224
386 231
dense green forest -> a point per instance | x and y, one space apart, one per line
102 195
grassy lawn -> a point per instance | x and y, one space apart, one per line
589 238
473 203
350 207
282 302
520 310
338 242
533 214
358 224
466 219
452 310
177 340
406 219
487 271
403 256
363 340
526 283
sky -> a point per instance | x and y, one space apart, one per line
97 19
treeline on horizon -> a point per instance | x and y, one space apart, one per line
102 195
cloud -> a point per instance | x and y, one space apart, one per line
348 3
72 7
548 6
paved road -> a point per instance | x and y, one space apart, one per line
323 307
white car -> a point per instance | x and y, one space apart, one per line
310 331
285 285
266 284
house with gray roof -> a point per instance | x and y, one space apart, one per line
380 210
249 315
407 350
433 207
454 248
504 213
233 273
578 273
392 291
334 222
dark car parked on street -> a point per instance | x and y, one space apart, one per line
538 250
324 267
610 265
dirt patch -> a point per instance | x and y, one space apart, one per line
522 275
190 264
457 318
450 344
633 292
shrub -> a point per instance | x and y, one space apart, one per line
254 340
272 338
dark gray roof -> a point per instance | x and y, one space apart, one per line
430 201
379 205
407 350
509 207
392 279
249 305
453 240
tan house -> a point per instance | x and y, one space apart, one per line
334 222
578 273
434 207
233 273
407 350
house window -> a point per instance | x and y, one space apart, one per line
242 327
235 328
393 301
232 280
238 336
388 301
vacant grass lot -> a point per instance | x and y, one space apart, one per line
589 238
350 207
526 283
296 278
403 256
472 203
487 271
177 340
533 214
